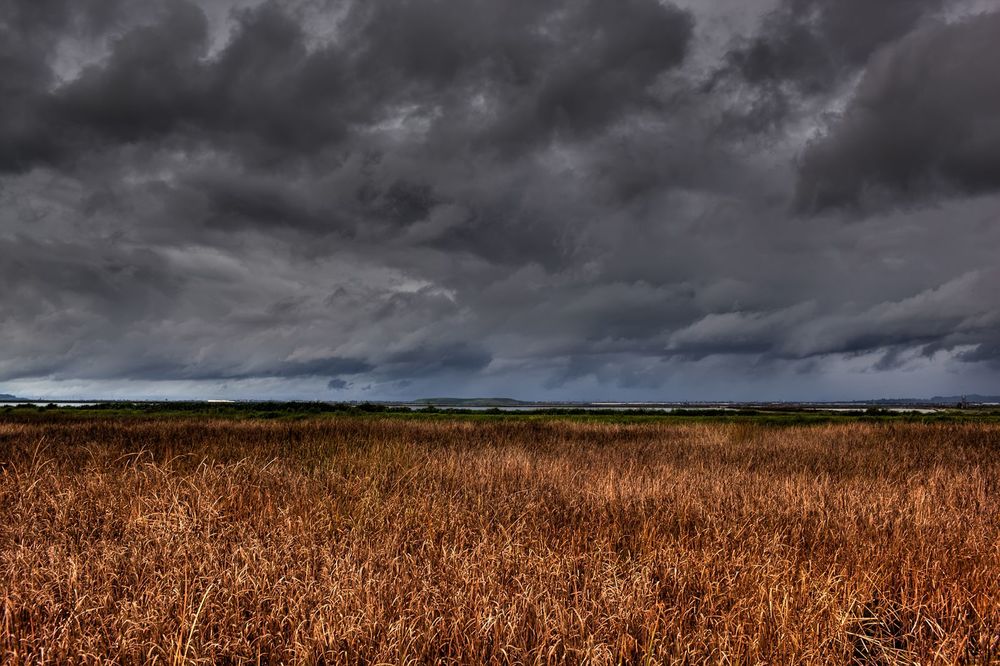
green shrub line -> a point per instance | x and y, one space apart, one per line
779 415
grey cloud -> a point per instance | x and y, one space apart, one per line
271 97
401 203
813 43
152 365
265 95
543 199
535 68
29 32
957 313
983 352
924 120
148 85
319 367
739 332
805 49
431 359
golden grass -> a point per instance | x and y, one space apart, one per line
363 540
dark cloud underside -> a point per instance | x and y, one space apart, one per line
588 198
925 118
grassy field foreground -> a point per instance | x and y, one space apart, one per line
367 540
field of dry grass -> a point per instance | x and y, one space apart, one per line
392 540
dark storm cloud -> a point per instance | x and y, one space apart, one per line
806 48
28 34
812 44
149 366
264 95
538 198
924 119
434 359
959 312
148 85
540 67
984 352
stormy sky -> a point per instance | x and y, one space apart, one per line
543 199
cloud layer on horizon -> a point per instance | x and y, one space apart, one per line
625 199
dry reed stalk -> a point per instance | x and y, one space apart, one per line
390 540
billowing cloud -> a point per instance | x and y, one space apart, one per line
924 120
568 199
812 44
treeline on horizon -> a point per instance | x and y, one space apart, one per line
288 409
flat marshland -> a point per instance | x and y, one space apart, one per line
527 540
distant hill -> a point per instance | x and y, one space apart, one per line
972 397
7 397
471 402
